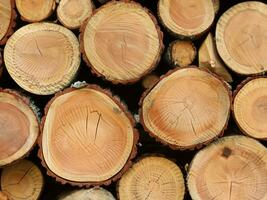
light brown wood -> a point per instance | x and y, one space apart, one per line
181 53
208 58
88 194
187 108
186 18
150 80
42 58
234 167
22 181
152 178
121 42
1 66
18 125
35 10
250 107
72 13
242 44
216 5
7 19
88 137
3 196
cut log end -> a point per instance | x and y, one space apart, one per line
23 180
188 107
85 194
18 121
242 43
208 58
233 167
72 13
181 53
154 178
7 19
150 80
42 58
250 107
35 10
3 196
121 42
186 18
89 143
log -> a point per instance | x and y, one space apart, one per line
1 67
208 58
3 196
216 6
181 53
22 181
7 19
187 108
35 10
72 13
121 42
89 143
152 177
249 107
186 18
242 43
88 194
149 81
233 167
19 127
42 58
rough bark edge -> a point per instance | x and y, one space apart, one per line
12 24
78 27
174 160
177 147
180 36
132 155
215 142
25 100
48 15
235 92
153 65
168 53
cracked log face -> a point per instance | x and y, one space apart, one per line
242 44
122 42
87 137
42 58
7 16
188 107
250 108
152 178
18 125
22 181
233 167
186 18
72 13
89 194
35 10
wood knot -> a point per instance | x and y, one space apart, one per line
226 152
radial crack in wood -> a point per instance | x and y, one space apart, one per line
22 181
186 18
72 13
42 58
90 142
7 19
152 178
208 58
181 53
233 167
19 127
35 10
88 194
250 107
121 42
188 107
242 44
